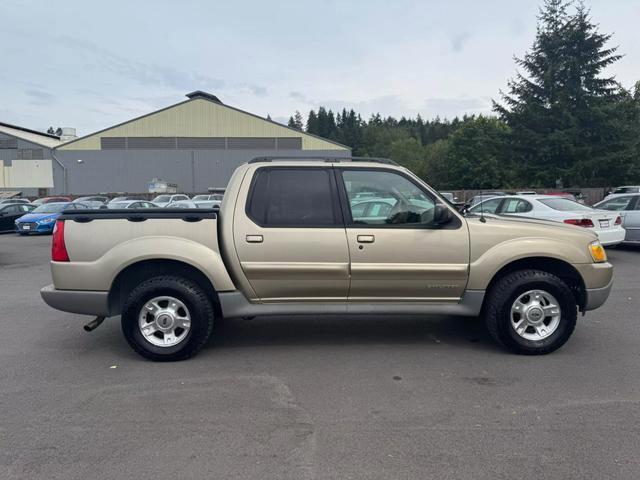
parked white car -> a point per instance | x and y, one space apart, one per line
165 199
213 199
194 204
131 204
606 224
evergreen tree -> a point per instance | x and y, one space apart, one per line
560 108
296 121
312 123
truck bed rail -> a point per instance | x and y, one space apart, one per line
140 214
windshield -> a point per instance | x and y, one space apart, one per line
162 198
201 197
51 208
564 205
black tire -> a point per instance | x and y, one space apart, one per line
194 298
507 290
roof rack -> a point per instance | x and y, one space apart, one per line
327 159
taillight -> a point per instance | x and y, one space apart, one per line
580 222
58 248
619 220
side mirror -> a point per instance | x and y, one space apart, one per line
442 215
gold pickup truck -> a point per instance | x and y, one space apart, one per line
323 236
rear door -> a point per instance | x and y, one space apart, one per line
397 253
289 235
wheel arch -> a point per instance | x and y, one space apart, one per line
137 272
563 270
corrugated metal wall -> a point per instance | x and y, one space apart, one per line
26 168
131 170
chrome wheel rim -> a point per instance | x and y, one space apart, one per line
535 315
164 321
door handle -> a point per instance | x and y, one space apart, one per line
254 238
366 239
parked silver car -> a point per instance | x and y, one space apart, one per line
629 207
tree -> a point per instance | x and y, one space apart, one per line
560 109
476 158
409 153
312 123
296 121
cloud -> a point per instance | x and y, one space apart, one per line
258 91
459 41
149 74
39 97
300 97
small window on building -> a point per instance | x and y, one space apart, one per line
202 143
8 143
113 143
289 197
289 143
151 143
251 143
30 154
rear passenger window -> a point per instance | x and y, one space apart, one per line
515 205
290 197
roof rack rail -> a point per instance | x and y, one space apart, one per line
327 159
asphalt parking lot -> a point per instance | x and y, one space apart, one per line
306 398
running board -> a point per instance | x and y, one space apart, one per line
235 305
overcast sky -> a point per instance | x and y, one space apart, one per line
90 65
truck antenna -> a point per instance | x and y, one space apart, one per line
482 219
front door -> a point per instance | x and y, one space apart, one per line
398 253
290 237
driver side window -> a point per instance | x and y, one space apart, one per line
386 198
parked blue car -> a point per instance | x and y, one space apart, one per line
43 218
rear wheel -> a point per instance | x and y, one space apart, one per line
531 312
167 318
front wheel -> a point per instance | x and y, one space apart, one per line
167 318
531 312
